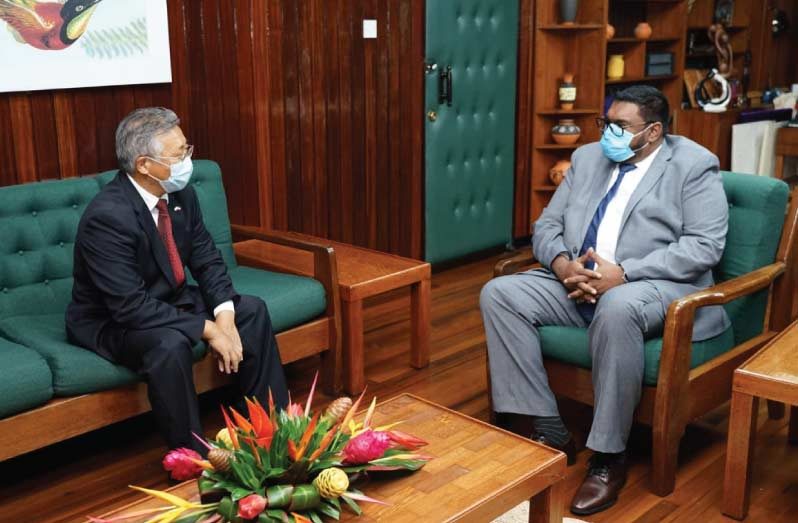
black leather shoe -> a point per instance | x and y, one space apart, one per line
569 448
605 478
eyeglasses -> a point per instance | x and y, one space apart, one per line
187 154
616 128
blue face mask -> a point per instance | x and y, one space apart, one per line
618 148
179 175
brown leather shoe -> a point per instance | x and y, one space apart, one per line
605 478
569 448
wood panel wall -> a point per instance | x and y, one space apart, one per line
316 129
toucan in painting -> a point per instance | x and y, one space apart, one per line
52 25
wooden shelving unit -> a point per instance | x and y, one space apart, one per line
582 49
559 49
668 21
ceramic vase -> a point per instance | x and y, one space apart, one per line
643 31
567 92
558 170
566 132
615 66
568 11
610 31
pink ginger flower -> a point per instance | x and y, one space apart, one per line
365 447
250 506
179 464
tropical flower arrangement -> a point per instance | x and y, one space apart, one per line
282 465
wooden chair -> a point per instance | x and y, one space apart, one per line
685 389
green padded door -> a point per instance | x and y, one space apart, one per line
470 80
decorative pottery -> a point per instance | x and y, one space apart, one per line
566 132
643 31
610 31
567 92
558 170
568 11
615 66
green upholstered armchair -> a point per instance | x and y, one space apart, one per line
684 380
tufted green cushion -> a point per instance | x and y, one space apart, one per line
756 216
292 300
75 370
569 344
25 379
38 222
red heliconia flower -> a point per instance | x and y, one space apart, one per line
405 440
251 506
367 446
179 464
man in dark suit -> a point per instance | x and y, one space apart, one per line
131 302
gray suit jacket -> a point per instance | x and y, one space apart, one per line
672 232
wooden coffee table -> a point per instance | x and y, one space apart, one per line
479 472
362 273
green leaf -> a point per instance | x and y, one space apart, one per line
276 514
329 511
305 497
279 495
352 505
314 517
240 493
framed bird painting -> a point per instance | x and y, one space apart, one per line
62 44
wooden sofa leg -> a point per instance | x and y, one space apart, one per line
775 409
792 435
665 455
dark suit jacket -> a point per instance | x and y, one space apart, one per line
122 276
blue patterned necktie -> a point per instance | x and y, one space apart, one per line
587 309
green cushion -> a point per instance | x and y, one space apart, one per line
756 215
292 300
74 370
25 379
570 345
38 222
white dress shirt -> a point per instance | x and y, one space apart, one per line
610 226
150 200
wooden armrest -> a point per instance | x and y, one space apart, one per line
514 263
287 239
672 382
727 291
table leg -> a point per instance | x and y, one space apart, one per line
420 323
546 507
352 326
792 435
739 451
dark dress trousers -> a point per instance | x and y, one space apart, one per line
127 308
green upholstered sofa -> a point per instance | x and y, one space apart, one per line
51 390
684 380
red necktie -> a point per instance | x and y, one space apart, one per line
165 230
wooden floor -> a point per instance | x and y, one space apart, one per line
89 475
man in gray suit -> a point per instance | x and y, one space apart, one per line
639 221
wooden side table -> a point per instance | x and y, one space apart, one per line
362 273
772 373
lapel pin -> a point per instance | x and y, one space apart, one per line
178 208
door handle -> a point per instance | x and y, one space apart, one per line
445 85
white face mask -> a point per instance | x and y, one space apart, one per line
179 175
